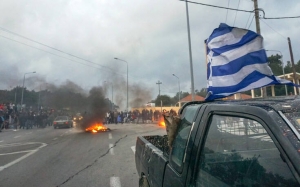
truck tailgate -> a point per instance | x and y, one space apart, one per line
150 161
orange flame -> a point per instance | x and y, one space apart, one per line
96 128
162 123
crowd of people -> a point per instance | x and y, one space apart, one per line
11 117
135 116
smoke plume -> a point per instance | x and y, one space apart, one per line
96 109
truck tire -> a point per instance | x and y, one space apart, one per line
143 182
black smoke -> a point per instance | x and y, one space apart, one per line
97 106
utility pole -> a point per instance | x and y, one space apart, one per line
16 95
39 101
190 51
256 13
293 64
159 83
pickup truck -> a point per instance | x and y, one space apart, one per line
254 142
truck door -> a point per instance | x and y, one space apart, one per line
175 172
238 149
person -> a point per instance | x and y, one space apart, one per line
15 120
151 115
22 120
119 119
1 120
107 117
115 116
143 115
138 116
122 117
112 117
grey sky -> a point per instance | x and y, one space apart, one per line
151 35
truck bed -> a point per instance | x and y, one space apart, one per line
151 158
161 142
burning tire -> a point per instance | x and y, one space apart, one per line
97 128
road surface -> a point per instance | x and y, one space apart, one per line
71 157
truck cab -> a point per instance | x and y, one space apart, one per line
227 143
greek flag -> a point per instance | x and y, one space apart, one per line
237 62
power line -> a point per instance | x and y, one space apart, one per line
227 11
215 6
54 54
273 29
241 10
236 12
6 30
248 20
110 69
251 21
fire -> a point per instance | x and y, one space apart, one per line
162 123
96 128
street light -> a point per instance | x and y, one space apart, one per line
23 87
179 88
127 79
282 64
190 50
112 94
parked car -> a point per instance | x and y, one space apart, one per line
253 142
62 121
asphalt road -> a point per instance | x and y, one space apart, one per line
71 157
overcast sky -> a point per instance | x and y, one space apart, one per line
151 35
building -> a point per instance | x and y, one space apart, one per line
188 99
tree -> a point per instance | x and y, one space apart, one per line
202 92
175 99
166 100
275 64
288 67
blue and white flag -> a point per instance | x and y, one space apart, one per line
237 62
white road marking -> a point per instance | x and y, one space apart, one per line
61 134
18 152
115 182
54 138
22 157
109 136
1 141
28 132
17 136
111 149
133 149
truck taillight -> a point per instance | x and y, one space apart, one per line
66 122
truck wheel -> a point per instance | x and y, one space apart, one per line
143 182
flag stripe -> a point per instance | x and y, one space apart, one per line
223 29
252 77
236 53
208 70
223 46
226 39
266 81
251 60
233 79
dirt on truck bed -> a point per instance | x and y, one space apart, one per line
161 142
